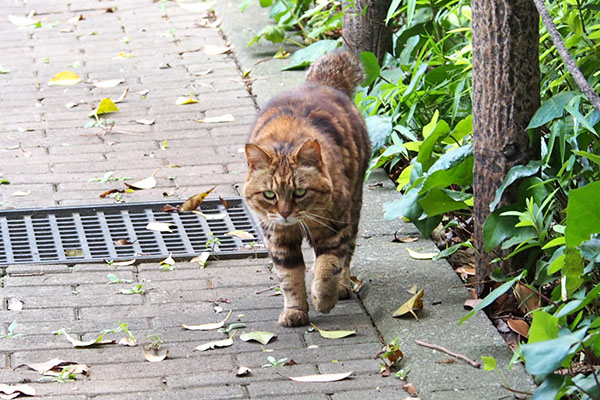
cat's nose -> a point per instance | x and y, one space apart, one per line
285 213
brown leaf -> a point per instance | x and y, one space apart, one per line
528 300
290 362
465 271
170 208
12 391
414 303
224 202
108 193
356 283
519 326
405 239
122 242
470 304
410 389
194 202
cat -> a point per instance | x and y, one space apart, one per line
307 154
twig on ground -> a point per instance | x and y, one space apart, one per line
445 350
266 290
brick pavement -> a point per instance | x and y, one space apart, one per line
47 151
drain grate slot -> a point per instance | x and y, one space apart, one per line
118 232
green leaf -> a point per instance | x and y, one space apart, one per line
415 79
272 33
542 358
550 388
4 70
497 228
583 214
436 202
551 109
572 271
266 3
489 363
370 67
590 156
425 155
543 327
490 298
392 10
576 305
580 118
304 57
406 206
448 252
453 168
379 128
516 172
259 336
333 334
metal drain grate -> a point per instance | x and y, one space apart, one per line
118 232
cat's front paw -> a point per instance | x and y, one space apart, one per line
345 292
289 317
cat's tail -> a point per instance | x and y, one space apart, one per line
339 69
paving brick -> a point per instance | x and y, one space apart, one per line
74 278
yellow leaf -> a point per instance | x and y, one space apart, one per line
420 256
64 78
106 106
185 100
333 334
414 303
194 202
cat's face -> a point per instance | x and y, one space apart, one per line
288 187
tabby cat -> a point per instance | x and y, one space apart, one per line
307 154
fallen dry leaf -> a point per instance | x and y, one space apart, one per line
154 355
470 304
194 202
220 118
122 96
405 239
64 78
214 344
224 202
127 341
56 366
528 300
13 391
145 121
211 217
519 326
195 6
106 106
410 389
15 305
185 100
122 242
110 83
123 263
420 256
71 105
74 253
261 337
207 327
333 334
160 226
21 193
356 283
75 18
147 183
86 343
414 303
321 377
243 371
202 258
241 234
465 272
22 21
211 50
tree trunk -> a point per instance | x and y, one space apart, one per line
506 94
364 27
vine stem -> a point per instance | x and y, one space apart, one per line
583 84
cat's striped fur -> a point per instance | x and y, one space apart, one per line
307 154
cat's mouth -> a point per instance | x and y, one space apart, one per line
286 221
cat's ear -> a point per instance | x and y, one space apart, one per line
309 153
257 158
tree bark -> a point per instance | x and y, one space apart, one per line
506 94
364 27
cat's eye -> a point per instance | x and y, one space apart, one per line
269 194
299 192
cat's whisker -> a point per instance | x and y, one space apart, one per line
309 234
320 222
325 218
